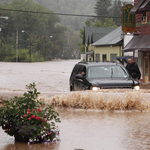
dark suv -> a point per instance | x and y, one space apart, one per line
100 75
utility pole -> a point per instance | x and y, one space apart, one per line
30 48
17 46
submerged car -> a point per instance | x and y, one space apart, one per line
101 75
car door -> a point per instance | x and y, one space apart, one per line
79 84
73 76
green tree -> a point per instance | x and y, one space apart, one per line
98 23
88 23
117 11
109 23
102 9
81 45
39 27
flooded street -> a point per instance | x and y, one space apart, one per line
88 128
48 76
96 130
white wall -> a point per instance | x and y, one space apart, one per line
140 63
127 38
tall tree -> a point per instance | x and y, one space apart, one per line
102 9
117 11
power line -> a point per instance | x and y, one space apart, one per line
127 1
79 15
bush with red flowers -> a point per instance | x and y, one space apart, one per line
22 117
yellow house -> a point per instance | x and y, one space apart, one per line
91 35
108 47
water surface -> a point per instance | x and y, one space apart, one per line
96 130
89 128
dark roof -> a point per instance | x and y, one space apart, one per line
141 6
145 6
140 43
92 34
136 7
113 38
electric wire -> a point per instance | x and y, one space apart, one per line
78 15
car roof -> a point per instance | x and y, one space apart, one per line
89 64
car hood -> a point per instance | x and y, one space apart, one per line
114 83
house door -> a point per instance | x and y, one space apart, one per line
146 69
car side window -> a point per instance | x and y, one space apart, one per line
75 70
81 69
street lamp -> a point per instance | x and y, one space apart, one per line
30 43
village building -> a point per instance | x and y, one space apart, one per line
140 43
109 47
91 35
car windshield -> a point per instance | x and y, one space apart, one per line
107 72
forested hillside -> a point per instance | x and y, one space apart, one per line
70 7
50 35
83 7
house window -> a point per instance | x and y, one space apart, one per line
144 18
113 57
104 57
97 57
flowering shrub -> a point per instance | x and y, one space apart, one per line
22 117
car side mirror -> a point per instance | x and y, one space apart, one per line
79 76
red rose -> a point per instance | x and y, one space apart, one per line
44 116
32 117
7 126
39 110
29 118
28 110
44 120
49 133
37 118
25 115
29 113
33 110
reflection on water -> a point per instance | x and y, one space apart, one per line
94 129
23 146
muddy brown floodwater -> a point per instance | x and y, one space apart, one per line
94 130
99 125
